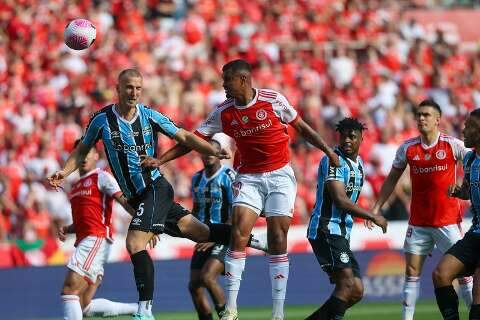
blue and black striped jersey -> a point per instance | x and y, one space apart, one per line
125 141
326 217
471 167
212 197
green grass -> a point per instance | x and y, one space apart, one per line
425 310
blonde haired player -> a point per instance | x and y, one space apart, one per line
434 216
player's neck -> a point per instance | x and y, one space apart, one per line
430 137
210 171
125 111
245 99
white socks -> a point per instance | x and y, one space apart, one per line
466 285
234 266
72 310
411 288
279 268
145 308
107 308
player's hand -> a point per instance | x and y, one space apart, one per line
204 246
223 154
334 159
154 241
62 233
454 190
56 179
380 221
369 223
149 162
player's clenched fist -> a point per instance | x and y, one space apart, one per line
56 179
380 221
149 162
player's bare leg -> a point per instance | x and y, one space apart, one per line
411 286
73 288
143 269
200 300
446 271
243 220
191 228
475 308
209 274
277 231
103 307
348 291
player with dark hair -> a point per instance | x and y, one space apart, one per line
257 119
212 203
463 258
129 131
434 217
338 190
92 199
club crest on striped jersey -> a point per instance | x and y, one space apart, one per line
261 114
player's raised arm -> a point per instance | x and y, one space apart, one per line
314 138
73 162
336 189
194 142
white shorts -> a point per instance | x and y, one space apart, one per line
89 256
272 193
421 240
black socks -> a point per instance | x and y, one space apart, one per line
144 274
447 301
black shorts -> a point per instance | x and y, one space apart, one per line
155 210
199 258
466 250
333 253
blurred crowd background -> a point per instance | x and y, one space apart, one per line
330 58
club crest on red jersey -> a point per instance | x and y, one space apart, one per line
87 183
261 114
440 154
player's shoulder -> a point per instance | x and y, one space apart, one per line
102 112
230 102
104 174
411 142
469 155
229 172
269 95
197 175
450 139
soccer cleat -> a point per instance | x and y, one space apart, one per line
259 242
277 318
229 315
137 316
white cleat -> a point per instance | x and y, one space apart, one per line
277 318
259 242
229 315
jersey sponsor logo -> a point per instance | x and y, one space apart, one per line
261 114
440 154
81 193
475 184
136 221
115 134
416 158
252 131
344 257
87 183
351 187
134 148
244 119
432 169
161 225
236 186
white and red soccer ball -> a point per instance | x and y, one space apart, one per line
79 34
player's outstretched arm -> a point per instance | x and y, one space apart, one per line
120 198
73 162
336 189
193 142
314 138
387 188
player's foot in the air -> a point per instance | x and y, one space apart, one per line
137 316
259 242
229 315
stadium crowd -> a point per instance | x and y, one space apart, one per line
331 58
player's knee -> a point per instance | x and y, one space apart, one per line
193 285
441 277
134 246
208 279
71 288
346 284
356 294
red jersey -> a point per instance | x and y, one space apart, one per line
432 170
92 199
259 129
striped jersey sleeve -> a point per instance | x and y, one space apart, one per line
161 123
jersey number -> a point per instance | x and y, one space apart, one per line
140 209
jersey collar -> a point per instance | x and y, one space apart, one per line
114 108
213 175
90 173
425 146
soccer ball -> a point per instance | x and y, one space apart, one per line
79 34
